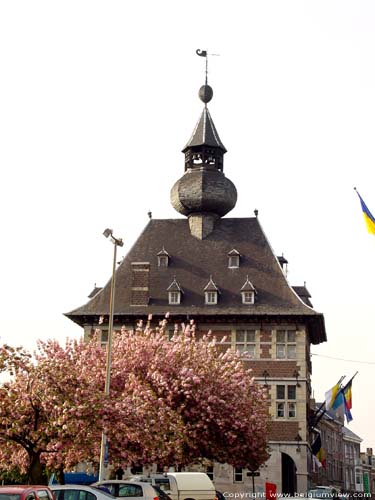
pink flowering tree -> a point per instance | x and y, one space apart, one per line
171 402
48 406
204 403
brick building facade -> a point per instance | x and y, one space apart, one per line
223 273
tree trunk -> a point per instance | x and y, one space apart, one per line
60 475
35 472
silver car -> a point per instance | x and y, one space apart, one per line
132 490
78 492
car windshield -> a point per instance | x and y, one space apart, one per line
321 493
9 496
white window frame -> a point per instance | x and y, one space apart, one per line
174 297
163 261
248 344
233 261
248 297
210 297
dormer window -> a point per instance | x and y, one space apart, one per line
211 297
211 293
247 297
163 258
233 259
174 297
174 293
248 292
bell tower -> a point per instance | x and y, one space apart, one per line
203 193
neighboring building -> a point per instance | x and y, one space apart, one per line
223 273
331 471
368 471
353 478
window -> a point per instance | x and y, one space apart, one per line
234 261
286 344
162 261
245 342
210 472
130 490
286 396
136 469
104 336
174 297
238 474
75 494
211 297
247 297
44 495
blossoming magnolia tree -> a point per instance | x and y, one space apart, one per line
171 402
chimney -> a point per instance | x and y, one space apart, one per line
140 294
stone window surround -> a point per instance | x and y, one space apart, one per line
286 404
238 475
286 347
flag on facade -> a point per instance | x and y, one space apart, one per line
331 396
369 218
318 451
347 393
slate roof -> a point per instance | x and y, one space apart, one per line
205 133
351 436
302 292
192 262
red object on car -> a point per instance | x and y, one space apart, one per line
19 492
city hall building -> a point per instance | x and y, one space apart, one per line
222 272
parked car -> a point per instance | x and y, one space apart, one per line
18 492
121 488
183 485
78 492
322 492
162 495
74 478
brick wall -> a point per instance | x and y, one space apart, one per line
283 431
140 293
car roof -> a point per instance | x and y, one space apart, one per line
83 487
17 488
121 481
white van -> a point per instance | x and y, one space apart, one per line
185 485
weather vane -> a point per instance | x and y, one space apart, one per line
204 53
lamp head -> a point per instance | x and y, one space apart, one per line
108 232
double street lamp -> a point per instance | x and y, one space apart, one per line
117 242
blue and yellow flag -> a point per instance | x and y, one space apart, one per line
369 218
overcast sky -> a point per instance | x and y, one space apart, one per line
97 99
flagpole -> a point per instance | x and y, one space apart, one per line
318 419
346 385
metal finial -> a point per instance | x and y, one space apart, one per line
149 213
203 53
205 92
256 212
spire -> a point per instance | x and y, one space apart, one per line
205 133
203 193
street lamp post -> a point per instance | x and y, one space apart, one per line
117 242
